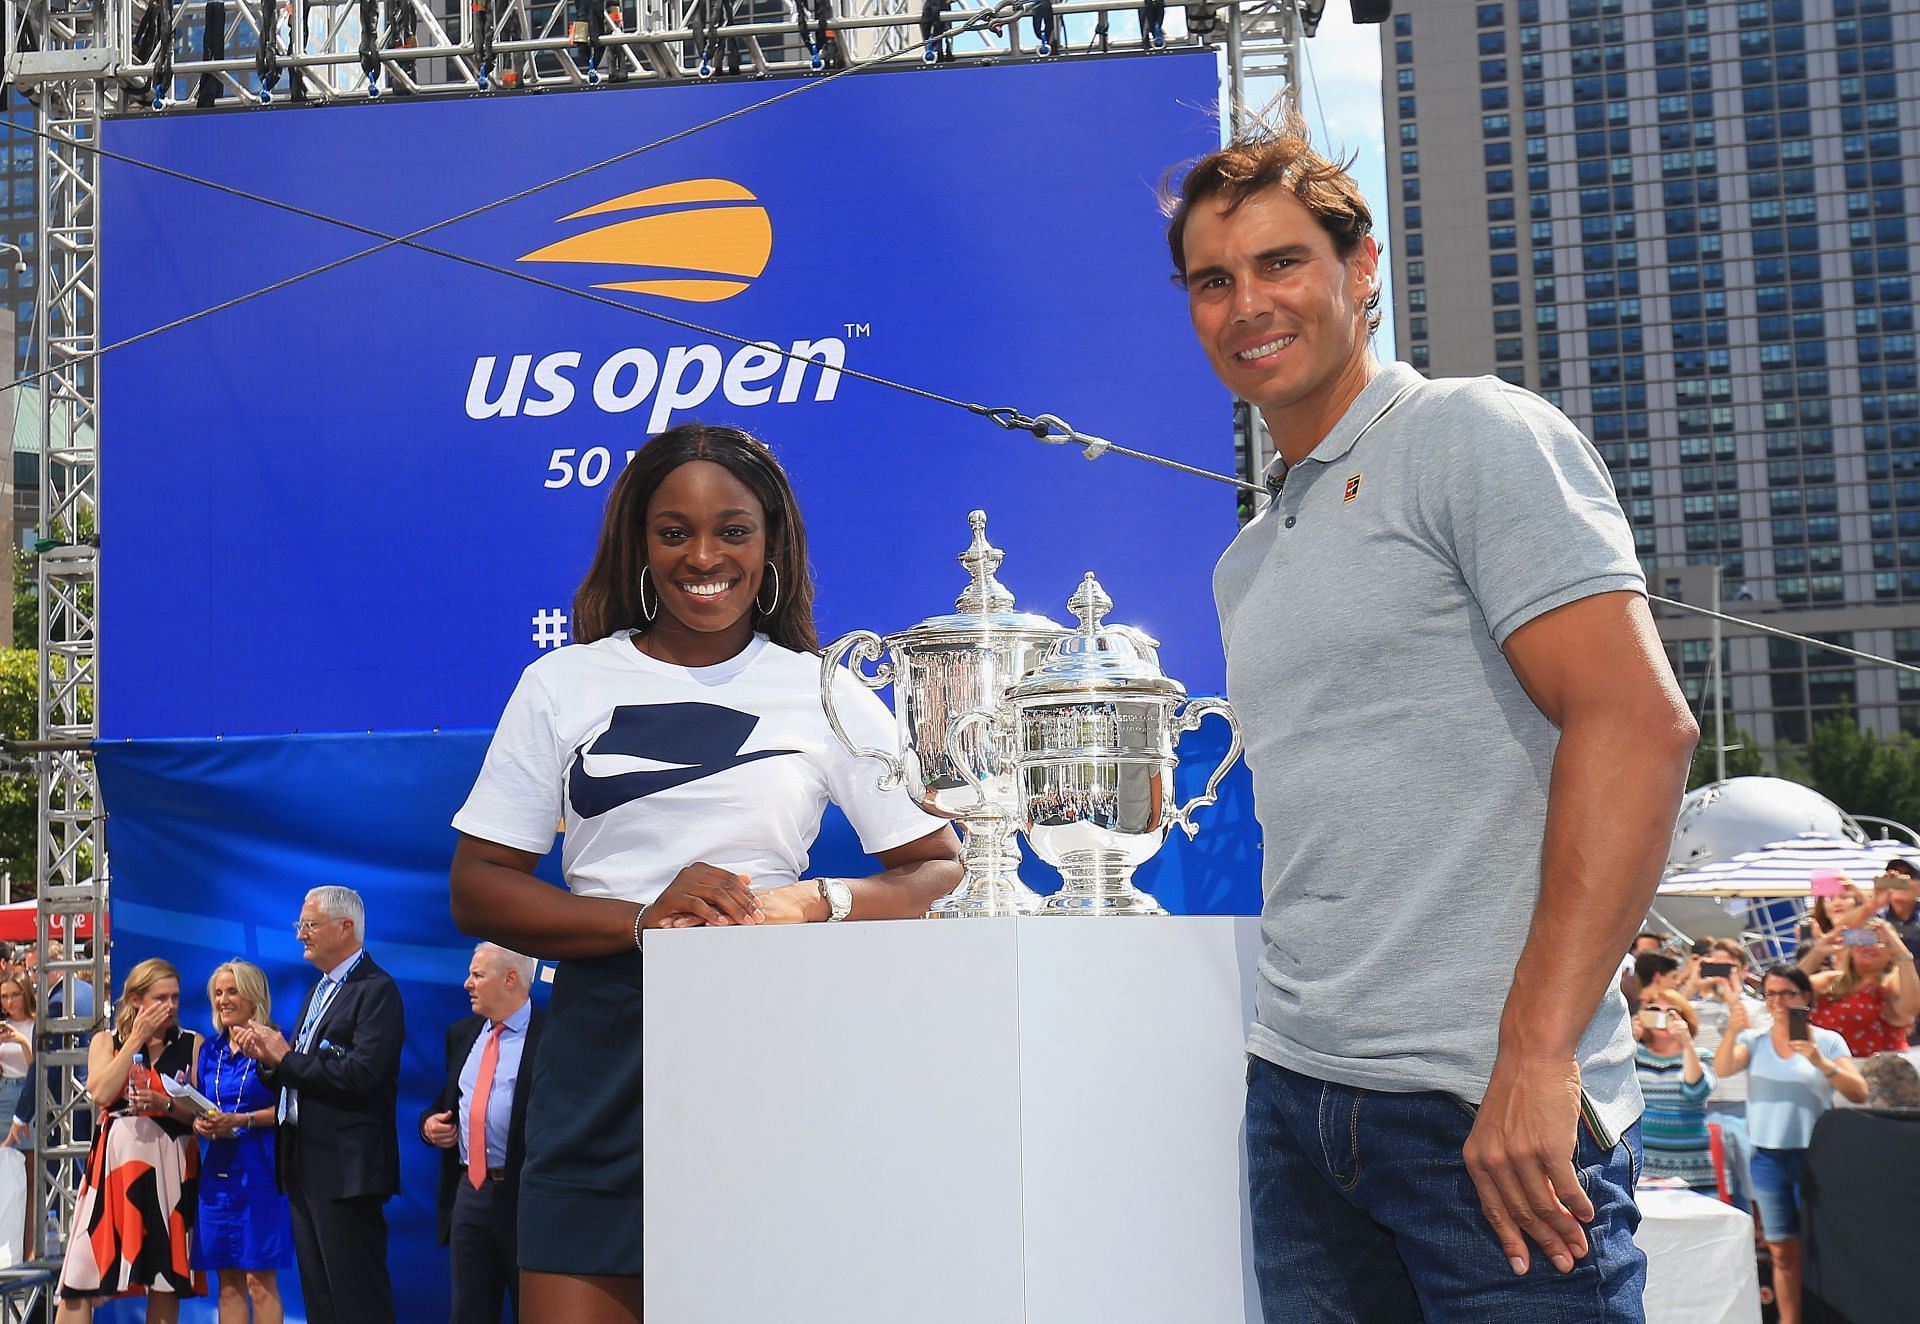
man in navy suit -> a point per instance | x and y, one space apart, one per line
339 1154
479 1124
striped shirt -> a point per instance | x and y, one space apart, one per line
1673 1129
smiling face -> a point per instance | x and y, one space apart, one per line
706 555
230 1007
13 1000
1281 315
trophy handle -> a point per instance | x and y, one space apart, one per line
1189 719
957 748
858 647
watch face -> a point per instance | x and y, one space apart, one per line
839 898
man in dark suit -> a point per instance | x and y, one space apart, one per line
479 1124
339 1155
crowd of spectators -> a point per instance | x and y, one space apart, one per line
1735 1074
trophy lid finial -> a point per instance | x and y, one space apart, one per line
1090 604
985 594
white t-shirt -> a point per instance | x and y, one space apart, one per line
649 767
13 1058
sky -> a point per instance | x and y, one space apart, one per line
1340 96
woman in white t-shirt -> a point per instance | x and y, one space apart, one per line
16 1040
682 744
1790 1082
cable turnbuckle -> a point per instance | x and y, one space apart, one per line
1049 428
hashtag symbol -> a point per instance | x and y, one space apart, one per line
549 627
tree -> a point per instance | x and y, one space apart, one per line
1861 772
26 601
1743 761
19 795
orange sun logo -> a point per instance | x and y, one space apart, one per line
721 248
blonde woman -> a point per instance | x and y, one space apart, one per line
138 1201
1872 998
245 1233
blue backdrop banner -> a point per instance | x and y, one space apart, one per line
344 516
363 502
215 842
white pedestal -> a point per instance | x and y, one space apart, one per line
1033 1121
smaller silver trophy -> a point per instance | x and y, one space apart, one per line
1093 730
941 668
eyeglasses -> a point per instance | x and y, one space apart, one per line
302 927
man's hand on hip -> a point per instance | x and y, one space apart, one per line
1520 1156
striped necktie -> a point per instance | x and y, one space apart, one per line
323 993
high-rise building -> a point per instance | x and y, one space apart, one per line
1688 223
19 165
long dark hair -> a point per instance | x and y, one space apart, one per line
608 599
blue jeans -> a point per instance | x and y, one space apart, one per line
1776 1191
1363 1213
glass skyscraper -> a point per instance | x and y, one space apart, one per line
1689 225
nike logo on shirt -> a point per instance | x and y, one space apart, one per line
696 739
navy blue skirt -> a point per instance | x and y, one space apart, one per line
580 1189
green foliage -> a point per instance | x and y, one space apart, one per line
26 602
1861 771
19 691
1745 761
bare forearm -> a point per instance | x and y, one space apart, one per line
1849 1082
904 892
1615 790
1906 998
526 915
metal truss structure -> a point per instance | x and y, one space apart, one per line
162 54
24 1293
82 59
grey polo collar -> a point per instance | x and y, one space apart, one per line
1369 407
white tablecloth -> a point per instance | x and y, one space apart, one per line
1700 1267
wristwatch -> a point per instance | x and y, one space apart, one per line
839 898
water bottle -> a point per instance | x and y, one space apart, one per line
139 1070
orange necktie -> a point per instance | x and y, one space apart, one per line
477 1111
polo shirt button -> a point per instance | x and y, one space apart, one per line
1289 521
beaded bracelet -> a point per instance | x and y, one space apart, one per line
638 915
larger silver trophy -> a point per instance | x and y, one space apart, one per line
940 669
1093 730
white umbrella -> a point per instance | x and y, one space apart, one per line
1786 868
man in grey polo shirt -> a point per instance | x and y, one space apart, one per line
1437 637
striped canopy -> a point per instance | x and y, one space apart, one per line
1786 868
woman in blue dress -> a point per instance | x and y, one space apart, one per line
245 1233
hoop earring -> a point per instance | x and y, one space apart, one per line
768 611
648 615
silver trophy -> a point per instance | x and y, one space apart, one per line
941 668
1093 730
